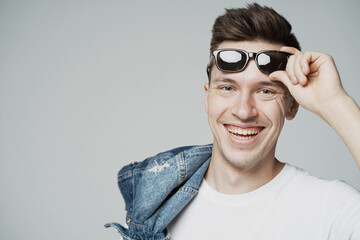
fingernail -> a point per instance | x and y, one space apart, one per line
293 80
302 80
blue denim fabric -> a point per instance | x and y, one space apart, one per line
158 188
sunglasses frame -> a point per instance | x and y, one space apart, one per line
249 55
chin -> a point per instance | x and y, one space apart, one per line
243 164
247 157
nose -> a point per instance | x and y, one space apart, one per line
244 107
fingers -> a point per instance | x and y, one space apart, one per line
290 70
297 67
305 62
303 66
291 50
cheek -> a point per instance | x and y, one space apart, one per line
282 105
274 111
216 105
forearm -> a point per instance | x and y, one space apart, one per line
343 115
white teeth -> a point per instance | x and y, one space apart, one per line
242 138
243 132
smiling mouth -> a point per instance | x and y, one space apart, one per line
243 134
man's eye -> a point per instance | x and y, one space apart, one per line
266 91
227 88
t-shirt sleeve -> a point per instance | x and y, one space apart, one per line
345 223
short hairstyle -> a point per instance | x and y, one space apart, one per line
254 22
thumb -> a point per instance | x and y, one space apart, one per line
281 76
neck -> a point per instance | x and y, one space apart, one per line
230 179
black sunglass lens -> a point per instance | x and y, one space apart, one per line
269 62
232 61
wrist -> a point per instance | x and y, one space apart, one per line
338 110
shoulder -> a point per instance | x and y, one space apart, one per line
336 203
303 177
336 192
180 153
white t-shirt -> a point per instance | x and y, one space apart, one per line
293 205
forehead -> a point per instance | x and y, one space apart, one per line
250 46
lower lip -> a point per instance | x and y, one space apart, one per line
244 141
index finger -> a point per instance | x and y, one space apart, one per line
290 50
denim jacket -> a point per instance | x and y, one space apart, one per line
158 188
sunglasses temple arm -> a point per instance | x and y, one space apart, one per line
208 71
208 66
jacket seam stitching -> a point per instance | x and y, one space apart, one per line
139 225
189 190
130 173
182 169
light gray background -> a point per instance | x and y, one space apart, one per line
88 86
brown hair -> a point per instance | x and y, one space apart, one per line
254 22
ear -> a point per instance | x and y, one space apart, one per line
206 87
292 109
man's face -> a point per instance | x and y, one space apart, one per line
246 110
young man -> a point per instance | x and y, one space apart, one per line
236 188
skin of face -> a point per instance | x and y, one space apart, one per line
246 112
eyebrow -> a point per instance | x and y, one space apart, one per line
224 80
272 84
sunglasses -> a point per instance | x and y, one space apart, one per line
235 60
